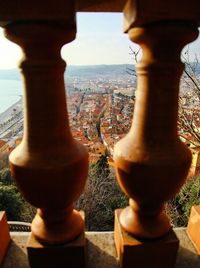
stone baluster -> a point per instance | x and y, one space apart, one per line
193 228
49 166
4 235
151 162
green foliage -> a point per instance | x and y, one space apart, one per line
10 201
17 209
5 177
179 208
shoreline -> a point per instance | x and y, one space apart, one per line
6 114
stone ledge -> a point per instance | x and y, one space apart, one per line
101 251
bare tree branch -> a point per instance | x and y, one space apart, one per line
188 118
193 81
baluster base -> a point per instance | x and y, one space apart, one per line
131 251
71 254
4 235
193 228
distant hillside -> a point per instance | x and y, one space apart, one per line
87 71
98 70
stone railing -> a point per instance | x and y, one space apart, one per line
15 226
151 162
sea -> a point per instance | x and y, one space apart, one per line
10 93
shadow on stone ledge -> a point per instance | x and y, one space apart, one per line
15 256
101 250
187 259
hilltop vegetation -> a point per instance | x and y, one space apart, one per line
102 195
17 209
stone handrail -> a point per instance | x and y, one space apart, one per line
16 226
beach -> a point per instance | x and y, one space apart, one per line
8 113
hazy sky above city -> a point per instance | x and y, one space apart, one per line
100 40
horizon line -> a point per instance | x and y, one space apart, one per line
76 65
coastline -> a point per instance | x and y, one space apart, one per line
4 116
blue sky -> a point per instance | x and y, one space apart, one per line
100 40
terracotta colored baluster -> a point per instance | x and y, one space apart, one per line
193 228
4 235
151 161
49 166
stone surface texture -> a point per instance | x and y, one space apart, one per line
101 251
161 252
